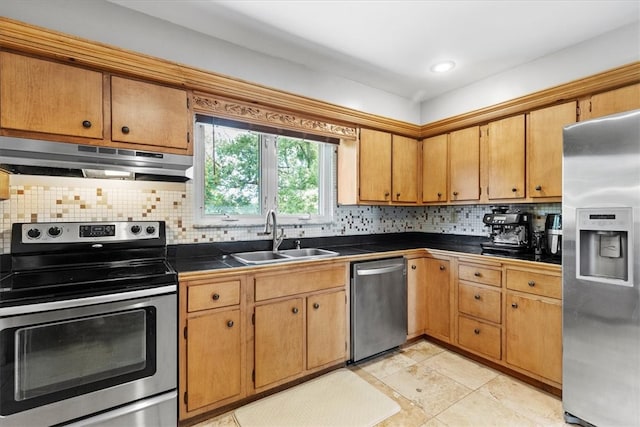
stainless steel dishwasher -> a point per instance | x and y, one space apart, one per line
378 306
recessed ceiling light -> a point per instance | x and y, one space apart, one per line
442 67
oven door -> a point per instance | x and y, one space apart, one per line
69 359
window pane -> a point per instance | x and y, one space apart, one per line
231 171
298 176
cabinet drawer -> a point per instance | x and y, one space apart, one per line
480 274
479 336
297 282
213 295
479 302
534 283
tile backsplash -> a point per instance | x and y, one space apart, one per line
48 199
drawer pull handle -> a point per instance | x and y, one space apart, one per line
413 267
230 324
514 305
442 268
476 331
477 296
125 130
86 124
316 305
538 187
294 310
477 274
532 283
215 297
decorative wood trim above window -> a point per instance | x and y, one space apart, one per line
252 113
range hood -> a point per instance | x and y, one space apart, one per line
45 157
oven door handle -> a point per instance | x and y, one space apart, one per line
78 302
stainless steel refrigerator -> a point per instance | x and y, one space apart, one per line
601 271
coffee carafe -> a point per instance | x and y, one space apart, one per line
553 234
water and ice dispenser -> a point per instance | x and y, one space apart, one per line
604 245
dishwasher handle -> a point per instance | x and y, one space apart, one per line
382 270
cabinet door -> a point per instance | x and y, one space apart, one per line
464 164
544 148
404 169
614 101
44 96
416 297
438 298
149 114
326 329
213 358
434 169
534 335
375 166
279 329
506 155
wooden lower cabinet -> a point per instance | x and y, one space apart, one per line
326 328
480 337
416 297
438 298
279 333
534 335
213 358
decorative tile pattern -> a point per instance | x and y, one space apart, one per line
38 198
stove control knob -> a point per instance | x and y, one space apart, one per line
33 233
54 231
135 229
151 229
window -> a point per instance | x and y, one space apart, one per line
243 170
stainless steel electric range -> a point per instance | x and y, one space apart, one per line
88 326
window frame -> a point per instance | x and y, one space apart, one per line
268 184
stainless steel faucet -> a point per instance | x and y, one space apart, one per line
271 220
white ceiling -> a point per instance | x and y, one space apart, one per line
391 45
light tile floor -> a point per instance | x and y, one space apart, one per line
436 387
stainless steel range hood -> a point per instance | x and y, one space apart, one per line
31 153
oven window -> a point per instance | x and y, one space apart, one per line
63 355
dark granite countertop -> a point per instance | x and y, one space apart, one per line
213 256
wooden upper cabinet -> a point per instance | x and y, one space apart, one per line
405 162
149 114
544 149
464 164
506 158
375 166
615 101
48 97
435 159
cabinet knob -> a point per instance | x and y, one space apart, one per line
294 310
386 195
398 195
531 283
439 195
230 324
514 304
455 193
477 296
538 187
514 189
477 274
215 297
316 305
476 331
442 267
125 129
413 267
86 124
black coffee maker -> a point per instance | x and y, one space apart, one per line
510 232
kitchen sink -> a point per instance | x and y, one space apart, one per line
308 252
268 257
